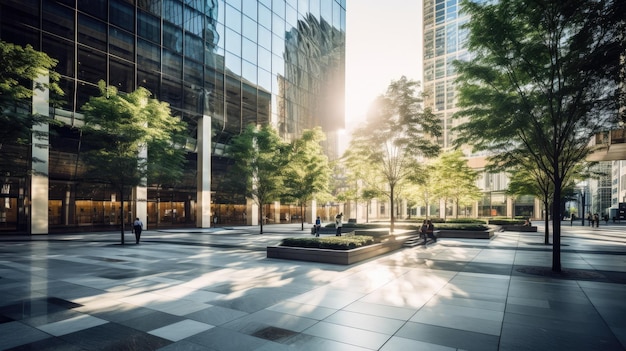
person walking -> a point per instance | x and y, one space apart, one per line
137 227
318 224
338 224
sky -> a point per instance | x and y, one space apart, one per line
383 43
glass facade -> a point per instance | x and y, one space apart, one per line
278 62
444 42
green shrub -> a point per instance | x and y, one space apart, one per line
334 243
466 220
506 221
462 226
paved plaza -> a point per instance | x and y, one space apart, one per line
215 289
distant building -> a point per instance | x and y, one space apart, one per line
220 64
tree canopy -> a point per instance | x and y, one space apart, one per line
543 79
308 171
397 135
19 69
259 158
454 180
119 132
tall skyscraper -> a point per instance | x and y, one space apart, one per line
220 64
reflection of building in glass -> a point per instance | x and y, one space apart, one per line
220 64
444 42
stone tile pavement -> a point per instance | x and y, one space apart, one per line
214 289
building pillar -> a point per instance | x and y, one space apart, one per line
252 212
311 214
203 205
39 182
509 206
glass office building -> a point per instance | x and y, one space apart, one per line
220 64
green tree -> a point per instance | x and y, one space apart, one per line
308 171
543 79
259 159
118 130
396 135
454 179
19 69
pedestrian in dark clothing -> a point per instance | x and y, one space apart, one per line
137 227
338 223
430 231
318 224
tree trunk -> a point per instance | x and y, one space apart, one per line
392 219
122 219
546 237
556 226
261 217
302 215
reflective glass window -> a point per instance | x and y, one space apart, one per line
336 15
58 20
278 65
278 45
193 73
440 68
291 17
440 40
96 8
249 29
193 21
62 50
148 26
172 91
92 66
173 11
233 42
264 80
194 47
233 104
235 3
278 24
148 55
172 37
149 80
327 10
266 3
172 64
122 14
249 51
451 38
249 104
451 13
303 6
152 6
278 7
121 44
233 18
248 71
92 32
84 91
122 74
265 59
264 38
265 17
314 8
232 63
250 9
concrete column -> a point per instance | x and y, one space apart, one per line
203 205
39 182
311 214
252 212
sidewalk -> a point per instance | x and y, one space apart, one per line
214 289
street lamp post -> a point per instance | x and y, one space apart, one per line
582 192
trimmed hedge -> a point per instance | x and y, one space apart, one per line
506 221
333 243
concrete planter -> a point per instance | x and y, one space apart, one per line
464 234
344 257
519 228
